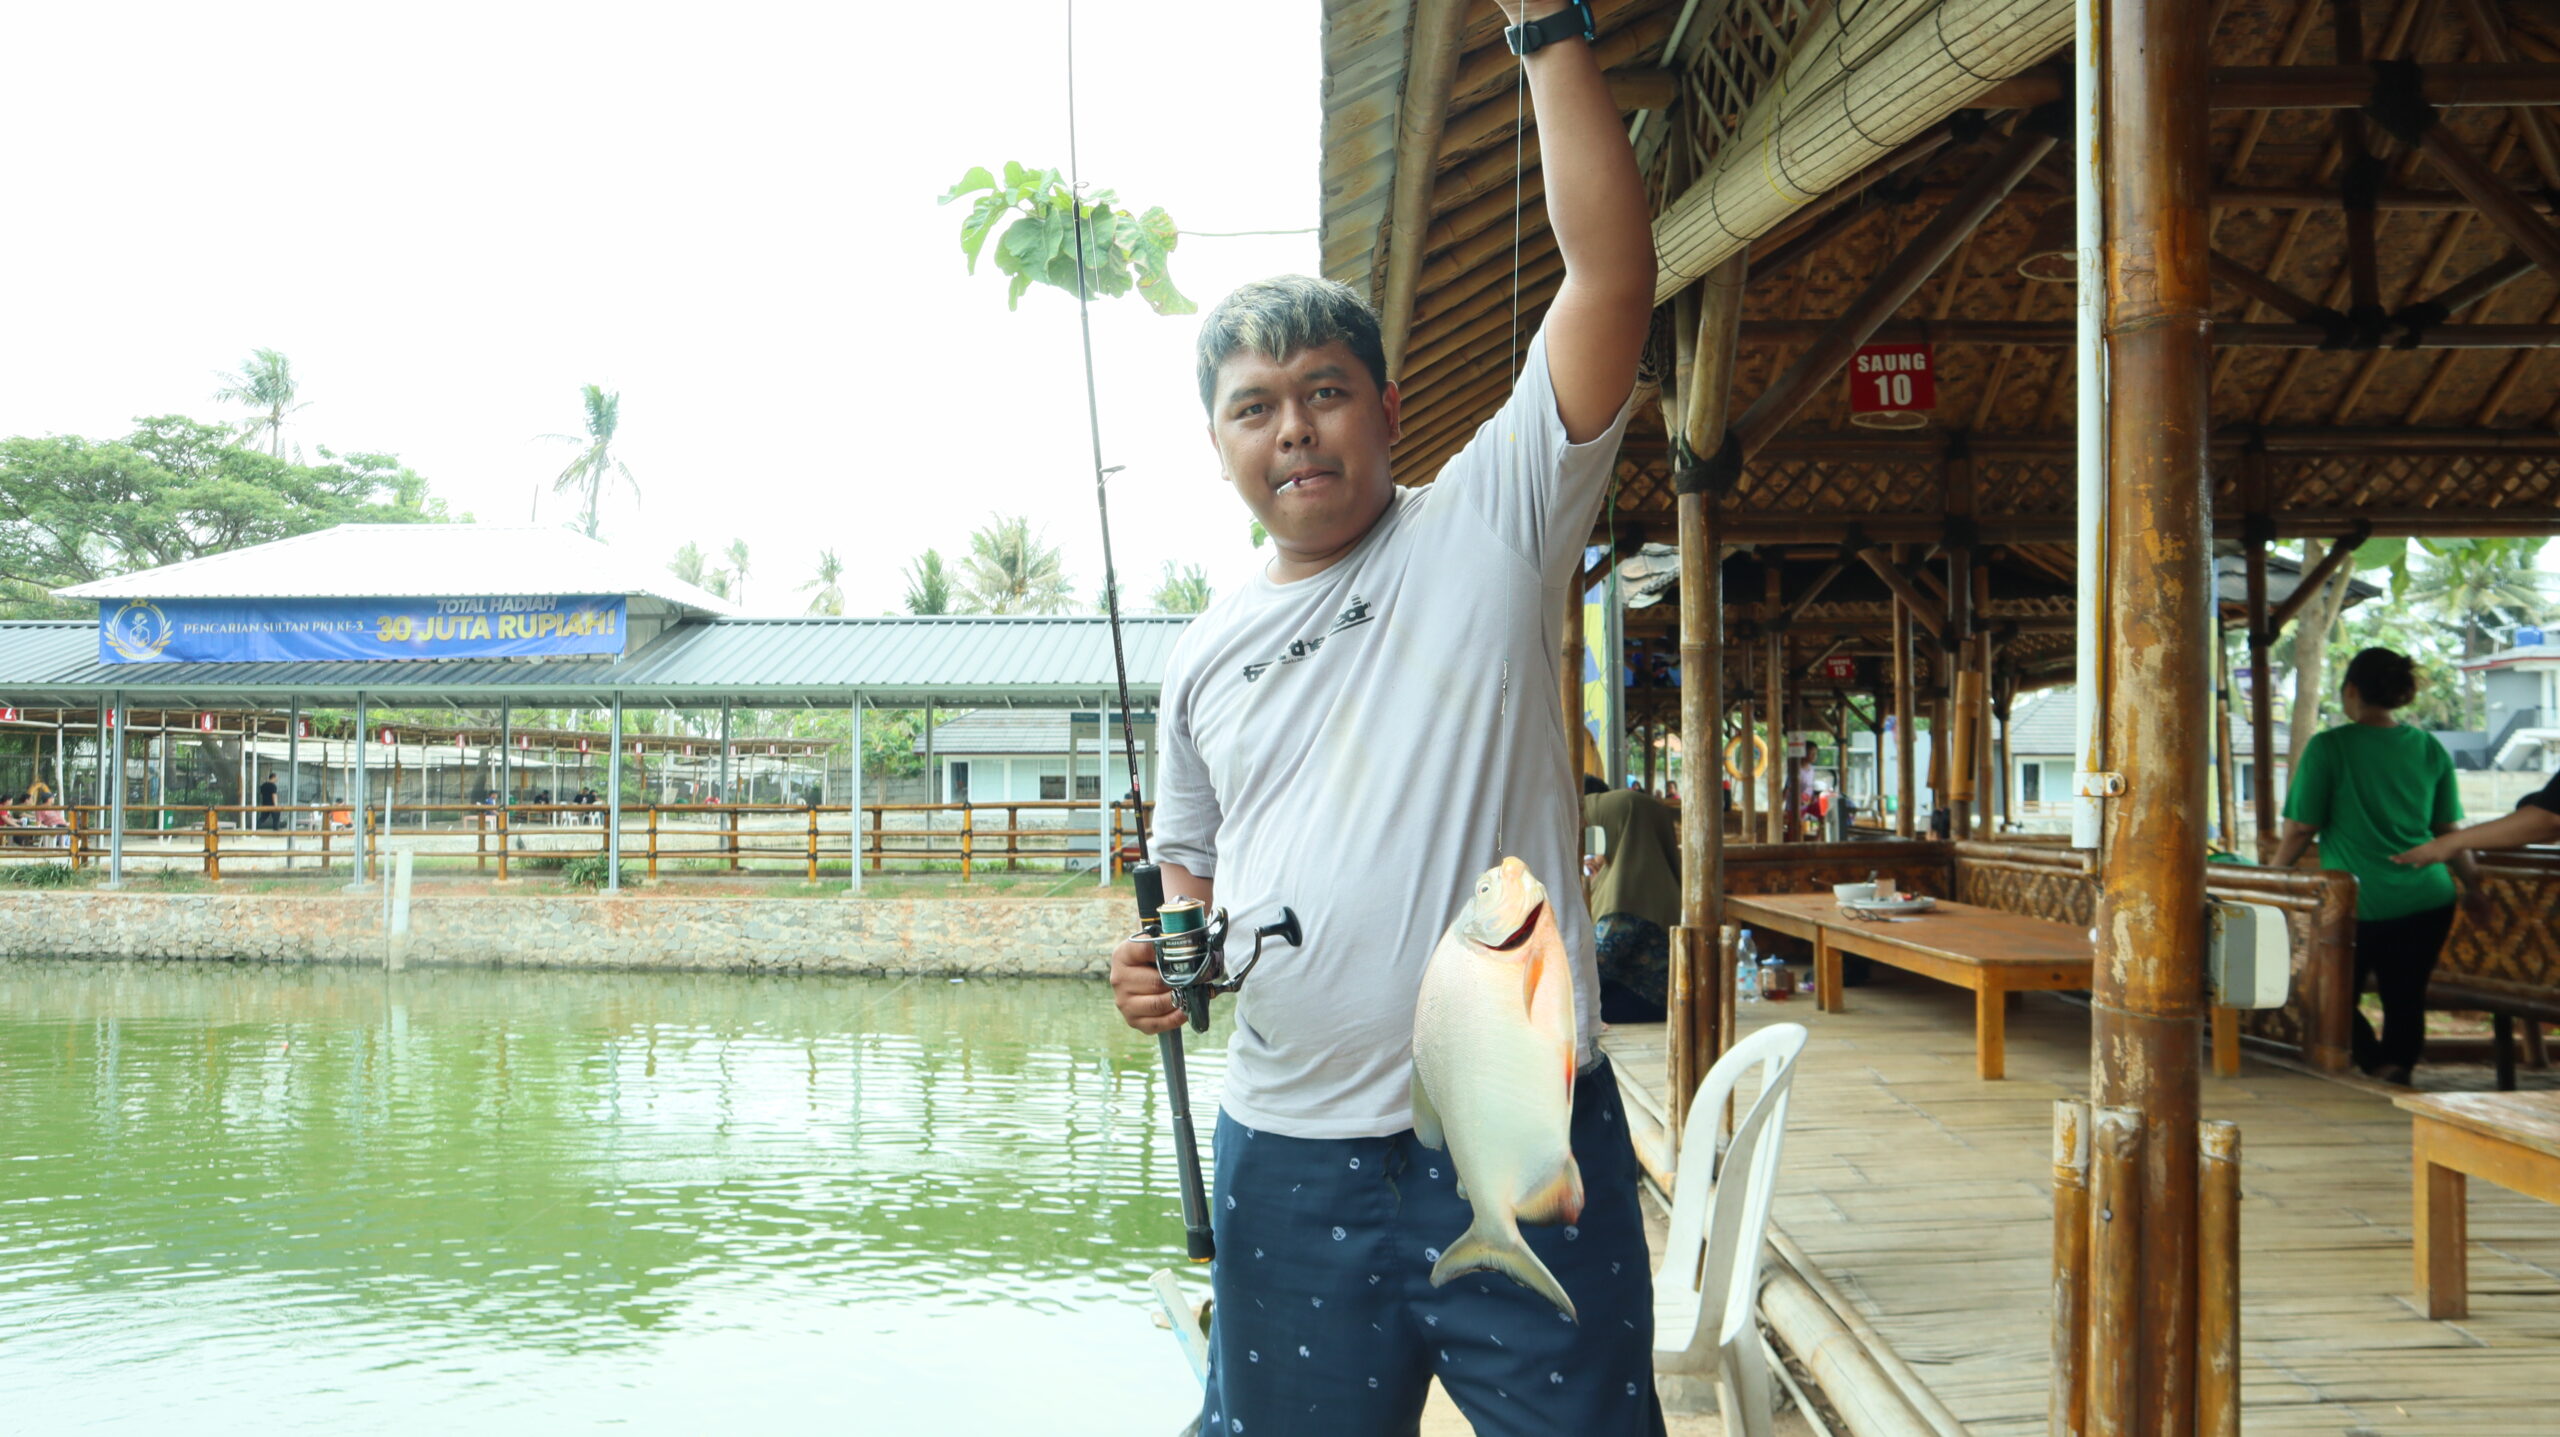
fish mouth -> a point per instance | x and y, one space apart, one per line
1521 934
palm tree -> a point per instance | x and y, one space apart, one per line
829 584
737 570
1183 592
1009 571
2479 586
595 463
928 584
265 385
688 564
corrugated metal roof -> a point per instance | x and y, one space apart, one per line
894 662
411 561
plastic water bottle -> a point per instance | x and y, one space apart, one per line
1746 969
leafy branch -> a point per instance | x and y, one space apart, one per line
1038 213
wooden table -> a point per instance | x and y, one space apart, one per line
1992 953
2512 1139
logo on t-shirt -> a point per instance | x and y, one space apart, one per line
1353 615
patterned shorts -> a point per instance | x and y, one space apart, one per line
1327 1322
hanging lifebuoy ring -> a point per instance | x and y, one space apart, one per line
1759 757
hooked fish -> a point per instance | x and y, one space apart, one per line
1493 1051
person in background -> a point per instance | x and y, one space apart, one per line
1636 895
267 816
2369 789
2536 820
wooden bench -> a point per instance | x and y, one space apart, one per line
2512 1139
1989 952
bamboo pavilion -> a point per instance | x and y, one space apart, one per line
2310 246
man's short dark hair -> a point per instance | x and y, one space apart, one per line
1283 315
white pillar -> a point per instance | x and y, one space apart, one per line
613 803
853 810
111 766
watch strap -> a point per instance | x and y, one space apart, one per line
1574 22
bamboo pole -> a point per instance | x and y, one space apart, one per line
2218 1310
2149 979
2262 723
1702 1018
1431 66
1774 668
2226 780
2113 1362
1906 777
2067 1410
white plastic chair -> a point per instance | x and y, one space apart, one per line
1704 1293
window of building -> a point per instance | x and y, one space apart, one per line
1053 786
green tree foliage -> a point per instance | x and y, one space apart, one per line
1038 215
1009 571
689 564
264 385
2451 600
1183 591
826 591
928 584
73 509
595 467
736 554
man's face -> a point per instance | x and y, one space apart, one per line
1305 441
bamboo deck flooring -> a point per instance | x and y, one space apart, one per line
1925 1195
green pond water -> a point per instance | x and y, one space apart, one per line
329 1200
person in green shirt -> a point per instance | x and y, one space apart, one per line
2371 789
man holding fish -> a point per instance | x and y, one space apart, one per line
1369 734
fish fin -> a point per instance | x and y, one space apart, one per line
1558 1199
1426 1118
1502 1251
1531 970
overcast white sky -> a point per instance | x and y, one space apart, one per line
452 217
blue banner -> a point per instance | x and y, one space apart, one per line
183 631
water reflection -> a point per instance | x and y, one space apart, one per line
333 1199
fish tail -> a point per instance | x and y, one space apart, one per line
1500 1249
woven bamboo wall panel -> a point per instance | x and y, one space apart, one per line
2058 896
2519 945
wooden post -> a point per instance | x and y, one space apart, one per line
79 834
213 843
1906 778
2113 1363
2218 1311
653 843
480 843
2226 776
875 839
968 841
1774 682
1747 778
503 841
2262 724
813 845
1012 839
2149 974
2068 1405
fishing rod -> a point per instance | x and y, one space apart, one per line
1190 942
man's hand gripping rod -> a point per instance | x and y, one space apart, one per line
1190 945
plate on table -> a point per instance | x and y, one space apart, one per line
1913 904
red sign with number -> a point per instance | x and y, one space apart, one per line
1844 670
204 723
8 715
1892 378
387 736
582 746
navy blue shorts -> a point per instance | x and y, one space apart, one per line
1327 1323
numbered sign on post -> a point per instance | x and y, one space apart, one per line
1840 669
1893 379
387 737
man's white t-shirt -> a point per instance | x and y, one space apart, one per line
1345 746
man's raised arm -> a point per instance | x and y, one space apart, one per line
1596 206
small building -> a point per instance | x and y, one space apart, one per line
2522 685
2042 736
1027 755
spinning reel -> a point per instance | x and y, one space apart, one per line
1191 944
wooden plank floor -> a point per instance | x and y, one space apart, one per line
1926 1196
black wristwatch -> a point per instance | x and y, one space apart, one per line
1571 23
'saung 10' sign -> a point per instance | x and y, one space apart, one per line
1892 378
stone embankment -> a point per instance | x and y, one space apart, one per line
1048 937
